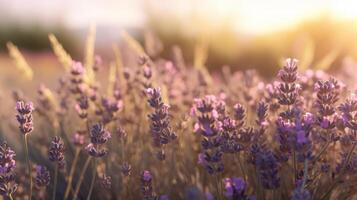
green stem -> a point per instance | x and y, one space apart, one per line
71 173
93 179
341 173
218 187
242 168
294 165
81 177
55 183
28 164
305 173
321 152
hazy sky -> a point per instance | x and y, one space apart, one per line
247 15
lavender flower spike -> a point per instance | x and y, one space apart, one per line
98 134
56 151
146 186
159 121
7 161
24 116
236 189
43 177
7 166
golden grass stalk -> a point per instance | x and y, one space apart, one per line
112 78
165 94
63 57
307 54
89 55
119 66
199 60
133 44
20 61
326 62
48 94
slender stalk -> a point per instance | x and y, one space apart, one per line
93 179
71 173
28 164
305 173
294 165
218 187
81 177
259 189
55 183
342 171
324 148
242 168
10 197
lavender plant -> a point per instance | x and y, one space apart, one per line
233 135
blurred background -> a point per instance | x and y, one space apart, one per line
240 33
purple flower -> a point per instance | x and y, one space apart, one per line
77 68
93 150
106 181
7 168
239 111
121 134
262 113
24 116
82 106
110 108
7 184
98 62
308 118
300 194
327 93
98 135
267 165
164 197
42 176
236 189
289 72
78 138
146 186
7 161
217 130
77 72
287 89
301 137
56 151
209 196
233 185
126 169
161 131
146 176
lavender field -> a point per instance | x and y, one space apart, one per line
147 127
178 100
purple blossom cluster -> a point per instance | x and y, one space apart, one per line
43 177
98 137
294 137
56 152
24 116
7 171
236 189
161 131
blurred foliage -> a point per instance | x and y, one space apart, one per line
320 43
33 37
